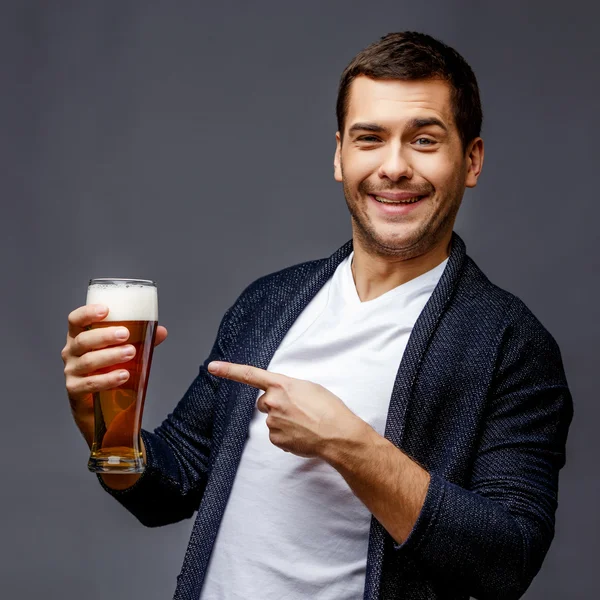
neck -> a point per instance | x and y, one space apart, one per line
375 274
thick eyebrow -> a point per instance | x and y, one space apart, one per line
373 127
426 122
412 124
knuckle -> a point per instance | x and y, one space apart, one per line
91 384
86 364
76 316
287 385
76 347
247 376
72 317
64 354
72 386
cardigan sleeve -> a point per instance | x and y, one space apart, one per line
177 452
490 537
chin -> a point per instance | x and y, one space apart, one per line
396 246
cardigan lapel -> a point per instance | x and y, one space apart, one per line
408 371
268 331
282 309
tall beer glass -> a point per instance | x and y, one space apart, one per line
132 303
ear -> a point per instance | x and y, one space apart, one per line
474 162
337 159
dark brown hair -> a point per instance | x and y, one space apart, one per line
409 55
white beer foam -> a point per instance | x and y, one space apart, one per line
128 302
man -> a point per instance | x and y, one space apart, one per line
383 423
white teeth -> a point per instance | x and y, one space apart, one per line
407 201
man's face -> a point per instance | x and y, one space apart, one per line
390 147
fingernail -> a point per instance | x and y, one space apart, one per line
128 352
121 333
100 311
123 375
214 366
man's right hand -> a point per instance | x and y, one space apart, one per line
92 359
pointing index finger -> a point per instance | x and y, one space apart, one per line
258 378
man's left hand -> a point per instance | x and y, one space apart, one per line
303 417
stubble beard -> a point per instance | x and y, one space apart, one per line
428 234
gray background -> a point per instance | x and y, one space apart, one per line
192 143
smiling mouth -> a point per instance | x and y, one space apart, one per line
406 201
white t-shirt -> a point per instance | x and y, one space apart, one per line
292 528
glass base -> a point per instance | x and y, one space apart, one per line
116 464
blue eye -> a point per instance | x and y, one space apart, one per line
427 140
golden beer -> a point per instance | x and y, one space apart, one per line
133 304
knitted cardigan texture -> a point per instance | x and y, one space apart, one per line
480 400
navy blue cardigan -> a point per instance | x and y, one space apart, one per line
480 400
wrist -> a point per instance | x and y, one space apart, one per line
350 441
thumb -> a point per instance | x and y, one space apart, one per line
161 335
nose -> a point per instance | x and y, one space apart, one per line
395 165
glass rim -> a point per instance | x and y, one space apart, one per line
121 281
